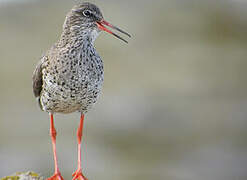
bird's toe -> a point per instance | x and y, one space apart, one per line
56 176
78 175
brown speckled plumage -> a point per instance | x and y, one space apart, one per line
69 77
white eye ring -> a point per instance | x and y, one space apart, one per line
87 13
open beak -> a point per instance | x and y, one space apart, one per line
101 26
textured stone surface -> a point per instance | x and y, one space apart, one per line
23 176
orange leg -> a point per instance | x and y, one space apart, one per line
53 133
78 173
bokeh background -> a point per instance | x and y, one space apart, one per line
174 102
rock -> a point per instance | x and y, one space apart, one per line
23 176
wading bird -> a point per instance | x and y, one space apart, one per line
69 76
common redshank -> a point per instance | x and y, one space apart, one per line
69 76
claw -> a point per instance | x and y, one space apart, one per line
78 175
56 176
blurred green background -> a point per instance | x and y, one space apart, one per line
174 102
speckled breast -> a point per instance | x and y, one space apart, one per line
72 81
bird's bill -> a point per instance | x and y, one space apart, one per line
102 27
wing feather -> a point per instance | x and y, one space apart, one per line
38 79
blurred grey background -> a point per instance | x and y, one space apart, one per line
174 102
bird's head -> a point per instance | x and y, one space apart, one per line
88 19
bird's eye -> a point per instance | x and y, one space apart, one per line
87 13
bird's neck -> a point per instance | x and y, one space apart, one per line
77 36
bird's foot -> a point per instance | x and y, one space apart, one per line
56 176
78 175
